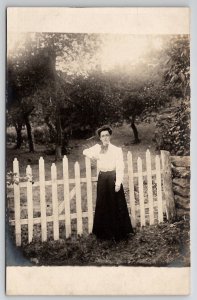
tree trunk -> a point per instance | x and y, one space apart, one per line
58 148
29 134
135 132
65 142
19 138
52 132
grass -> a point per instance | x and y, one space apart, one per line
157 245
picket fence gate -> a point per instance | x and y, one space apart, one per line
162 201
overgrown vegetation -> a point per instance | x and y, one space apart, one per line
161 245
173 128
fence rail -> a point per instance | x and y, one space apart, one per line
147 197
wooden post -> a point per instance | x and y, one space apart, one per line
141 192
78 199
66 197
55 202
149 187
42 199
167 184
89 194
131 188
159 191
17 209
97 169
29 203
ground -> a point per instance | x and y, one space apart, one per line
157 245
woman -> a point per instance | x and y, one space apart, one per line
111 219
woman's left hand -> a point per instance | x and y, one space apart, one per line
117 188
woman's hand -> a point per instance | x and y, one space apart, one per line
95 157
94 160
117 188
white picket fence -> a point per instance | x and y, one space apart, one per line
149 181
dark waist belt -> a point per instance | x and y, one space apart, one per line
110 171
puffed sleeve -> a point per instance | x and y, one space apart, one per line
119 167
92 151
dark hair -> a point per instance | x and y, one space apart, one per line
103 128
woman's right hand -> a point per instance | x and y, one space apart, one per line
95 157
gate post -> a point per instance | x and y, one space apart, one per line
167 185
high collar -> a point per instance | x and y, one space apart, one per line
109 145
104 148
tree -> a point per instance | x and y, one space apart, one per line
27 71
34 71
148 86
140 90
97 99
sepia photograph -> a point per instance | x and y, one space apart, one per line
97 147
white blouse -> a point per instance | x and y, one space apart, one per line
111 160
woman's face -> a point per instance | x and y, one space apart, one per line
105 137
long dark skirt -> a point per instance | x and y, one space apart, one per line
111 219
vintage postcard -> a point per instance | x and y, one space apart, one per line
98 151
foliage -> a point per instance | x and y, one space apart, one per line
34 83
98 103
57 79
13 178
173 125
152 88
158 245
11 135
173 128
177 75
41 134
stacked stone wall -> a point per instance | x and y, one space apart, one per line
181 184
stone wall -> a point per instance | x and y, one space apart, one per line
181 184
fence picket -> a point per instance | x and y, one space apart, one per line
70 193
97 170
66 197
55 202
141 192
17 210
78 199
149 186
42 199
159 191
131 188
89 194
29 203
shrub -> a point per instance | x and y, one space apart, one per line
11 134
41 134
173 129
